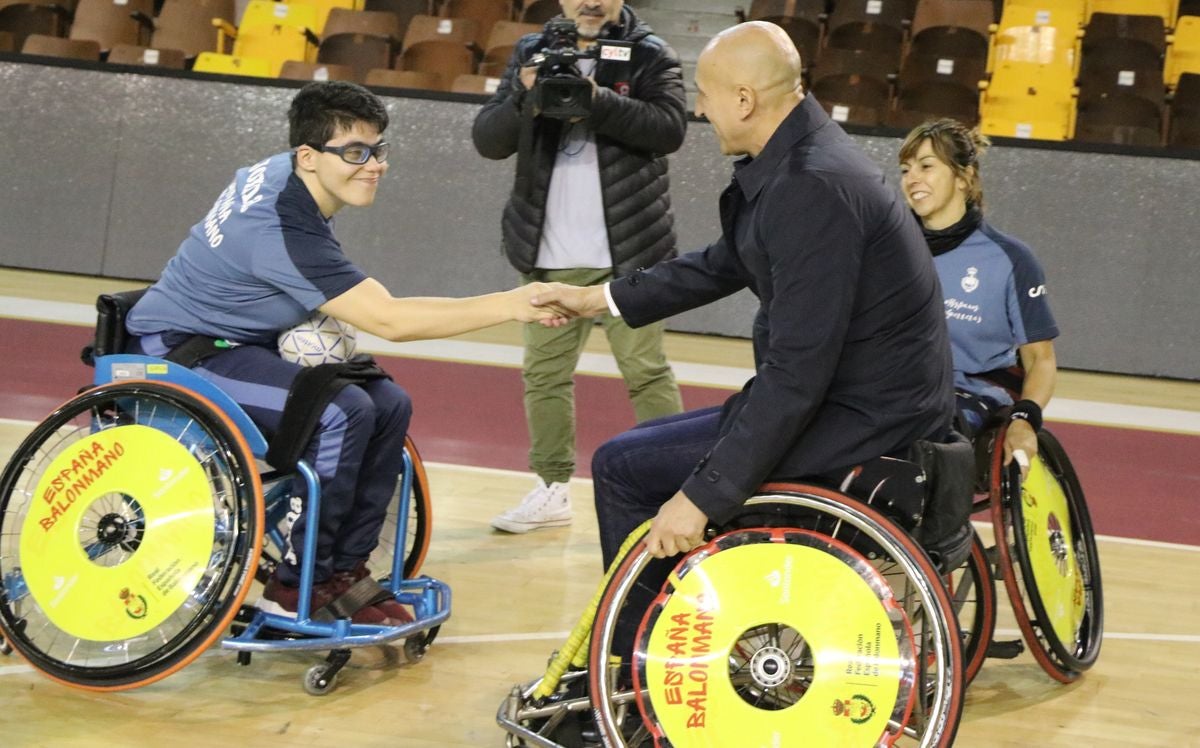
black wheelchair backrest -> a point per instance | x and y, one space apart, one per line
111 310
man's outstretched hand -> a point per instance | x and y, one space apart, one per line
568 302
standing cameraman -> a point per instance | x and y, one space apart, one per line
590 106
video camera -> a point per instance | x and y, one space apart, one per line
561 91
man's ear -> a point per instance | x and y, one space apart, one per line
306 158
747 99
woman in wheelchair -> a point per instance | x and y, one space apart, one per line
264 259
995 291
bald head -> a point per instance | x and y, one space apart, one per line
756 54
747 82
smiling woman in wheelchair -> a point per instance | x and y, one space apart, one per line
1001 326
264 259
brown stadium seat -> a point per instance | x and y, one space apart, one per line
358 52
22 18
131 54
315 71
1185 113
404 10
486 12
854 99
540 11
1119 119
802 20
476 84
53 46
500 44
188 25
408 79
112 22
878 25
953 29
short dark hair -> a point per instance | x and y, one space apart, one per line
320 109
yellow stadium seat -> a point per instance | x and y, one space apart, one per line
1029 100
271 31
212 62
1163 8
1183 53
1042 45
1066 15
321 9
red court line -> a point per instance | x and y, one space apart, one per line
1139 483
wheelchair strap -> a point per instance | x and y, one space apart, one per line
311 391
195 349
362 593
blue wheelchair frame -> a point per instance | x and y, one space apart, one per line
429 598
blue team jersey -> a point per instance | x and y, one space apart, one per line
260 262
995 294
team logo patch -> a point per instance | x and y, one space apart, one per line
135 604
858 708
970 282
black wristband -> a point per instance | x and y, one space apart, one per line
1028 411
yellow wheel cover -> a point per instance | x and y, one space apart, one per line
121 465
1050 543
845 614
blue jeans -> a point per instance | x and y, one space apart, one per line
634 474
357 449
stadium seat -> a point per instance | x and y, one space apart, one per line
1119 119
110 22
877 25
379 23
1122 66
316 71
407 79
274 32
1164 9
926 79
500 43
440 45
404 10
1183 55
801 19
1029 100
486 12
476 84
1030 35
54 46
322 8
129 54
1188 8
21 19
853 99
836 62
932 99
540 11
1146 29
188 25
1184 131
254 67
358 52
952 28
6 42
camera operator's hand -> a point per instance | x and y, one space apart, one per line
529 76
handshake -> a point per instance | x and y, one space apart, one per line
556 304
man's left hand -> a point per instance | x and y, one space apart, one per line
678 528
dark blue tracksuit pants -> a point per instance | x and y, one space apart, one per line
357 450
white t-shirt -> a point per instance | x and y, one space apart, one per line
575 234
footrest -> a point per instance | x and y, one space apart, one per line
362 593
1005 650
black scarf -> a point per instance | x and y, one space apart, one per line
941 241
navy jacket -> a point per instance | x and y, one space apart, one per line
851 352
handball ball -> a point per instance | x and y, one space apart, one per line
320 339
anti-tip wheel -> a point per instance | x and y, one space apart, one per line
316 683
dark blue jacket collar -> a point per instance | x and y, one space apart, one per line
751 174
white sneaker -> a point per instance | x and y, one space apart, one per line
544 506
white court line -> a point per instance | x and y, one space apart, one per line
603 364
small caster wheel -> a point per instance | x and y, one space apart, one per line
316 683
5 647
415 648
243 658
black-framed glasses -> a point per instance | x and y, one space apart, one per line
356 153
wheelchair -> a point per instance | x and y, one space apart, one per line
812 618
1045 552
132 524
